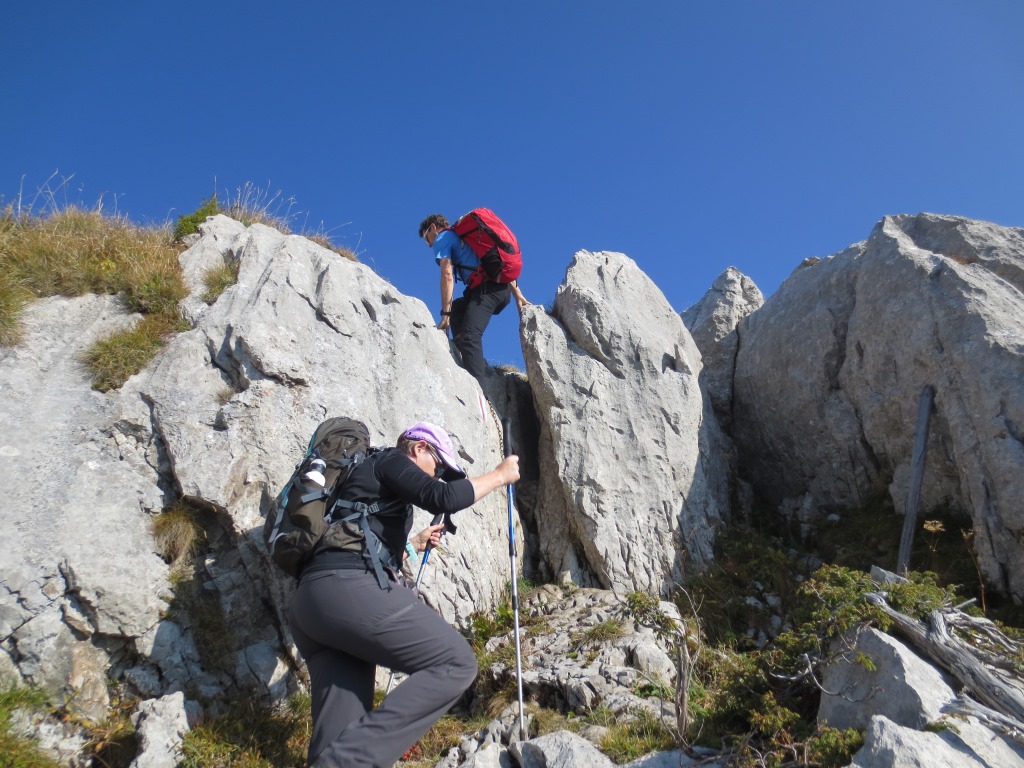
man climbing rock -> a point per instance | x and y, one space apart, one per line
484 297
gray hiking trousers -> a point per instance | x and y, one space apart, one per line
344 625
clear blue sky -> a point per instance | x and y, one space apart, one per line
689 136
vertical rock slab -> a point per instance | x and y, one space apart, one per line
713 322
633 470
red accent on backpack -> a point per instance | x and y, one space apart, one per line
493 242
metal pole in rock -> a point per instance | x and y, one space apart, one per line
506 428
924 412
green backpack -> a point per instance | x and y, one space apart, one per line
302 523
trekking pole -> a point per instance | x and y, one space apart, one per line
506 427
419 575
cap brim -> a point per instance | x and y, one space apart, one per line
452 469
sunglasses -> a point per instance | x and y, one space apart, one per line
426 234
439 466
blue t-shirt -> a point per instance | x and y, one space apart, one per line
448 245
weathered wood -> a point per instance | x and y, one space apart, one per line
956 657
996 721
924 411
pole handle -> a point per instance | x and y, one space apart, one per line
506 428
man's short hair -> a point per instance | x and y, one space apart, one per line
434 218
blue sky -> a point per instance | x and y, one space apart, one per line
689 136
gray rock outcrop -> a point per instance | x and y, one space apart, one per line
161 725
713 323
301 336
633 468
830 371
218 419
582 650
74 489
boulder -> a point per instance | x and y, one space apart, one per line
161 725
634 475
831 368
898 684
964 743
561 749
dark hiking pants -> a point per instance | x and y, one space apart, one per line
470 315
344 625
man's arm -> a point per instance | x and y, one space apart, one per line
447 290
518 294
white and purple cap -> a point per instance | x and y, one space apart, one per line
441 443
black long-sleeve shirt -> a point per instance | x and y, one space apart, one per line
387 477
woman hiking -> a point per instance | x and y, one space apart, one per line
345 623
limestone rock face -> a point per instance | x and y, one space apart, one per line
713 323
830 371
633 475
219 418
304 335
74 489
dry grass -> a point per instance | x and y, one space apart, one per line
71 251
178 535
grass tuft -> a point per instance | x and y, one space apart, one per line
249 735
117 358
188 223
629 740
178 535
218 280
15 751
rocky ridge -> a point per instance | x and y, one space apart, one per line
633 476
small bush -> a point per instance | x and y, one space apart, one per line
188 223
832 748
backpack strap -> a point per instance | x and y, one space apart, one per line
373 548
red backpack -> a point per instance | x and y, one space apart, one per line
492 241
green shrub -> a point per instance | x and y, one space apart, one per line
832 748
188 223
